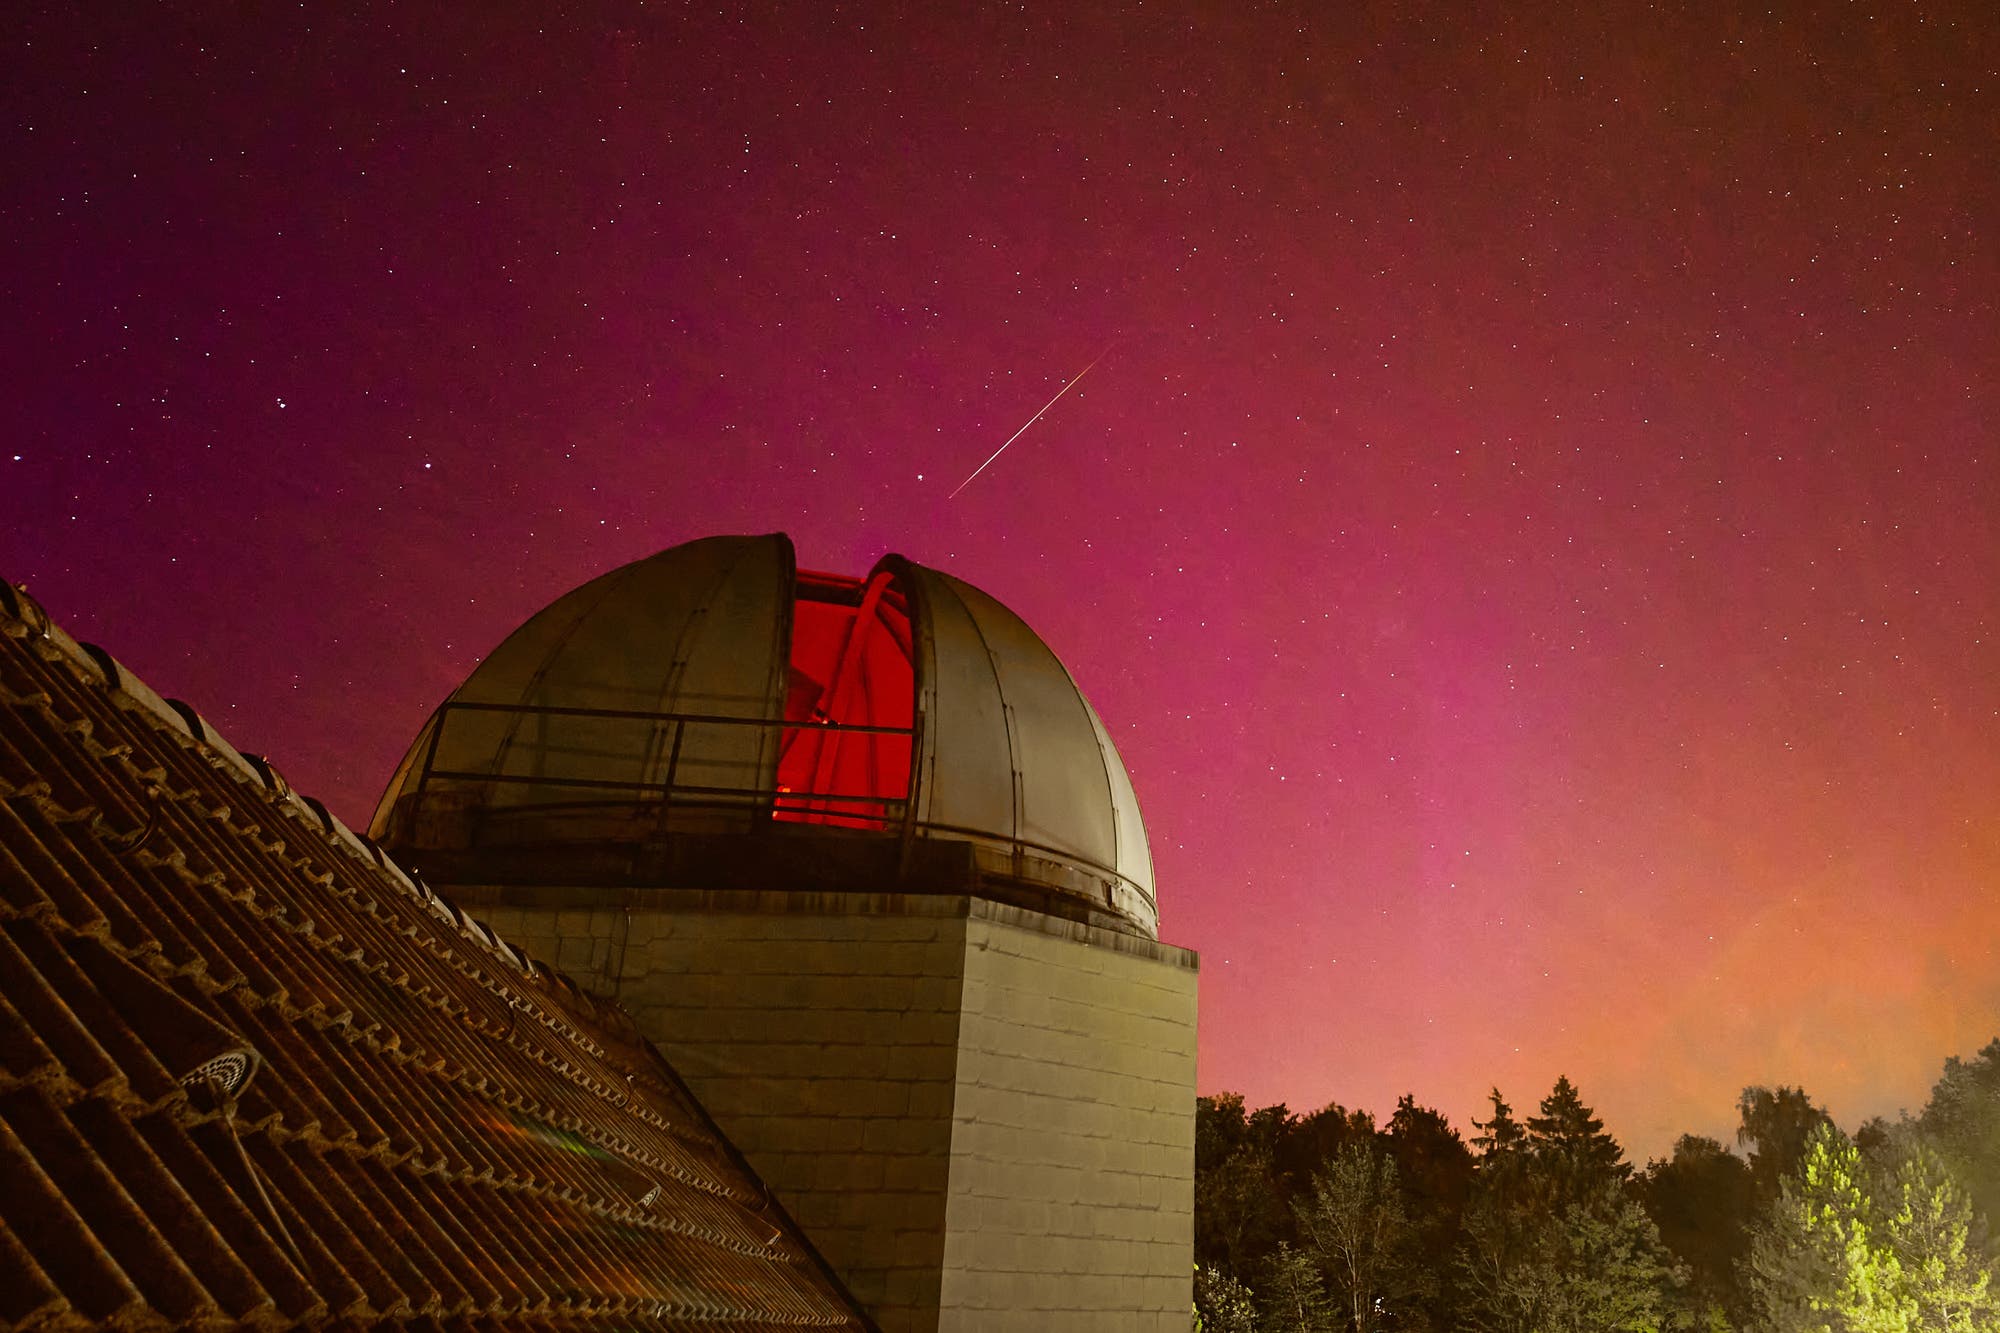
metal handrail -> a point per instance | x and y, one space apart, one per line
668 792
641 715
612 784
667 789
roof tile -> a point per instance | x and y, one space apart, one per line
252 1073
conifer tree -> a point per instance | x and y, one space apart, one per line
1554 1243
1616 1273
1816 1265
1927 1224
1502 1134
1571 1149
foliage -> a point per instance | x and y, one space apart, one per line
1542 1226
1776 1127
1435 1170
1571 1149
1817 1262
1500 1135
1927 1223
1292 1297
1703 1202
1251 1166
1617 1274
1553 1241
1431 1160
1356 1227
1963 1122
1233 1167
1890 1251
1221 1303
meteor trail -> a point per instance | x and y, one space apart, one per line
1031 421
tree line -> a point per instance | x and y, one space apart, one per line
1330 1223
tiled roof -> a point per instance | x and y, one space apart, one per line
251 1073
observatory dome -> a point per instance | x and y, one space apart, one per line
714 717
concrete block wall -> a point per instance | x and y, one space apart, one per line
1072 1178
825 1045
981 1115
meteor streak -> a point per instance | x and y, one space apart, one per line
1031 421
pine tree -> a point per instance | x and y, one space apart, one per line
1927 1225
1572 1151
1553 1241
1815 1265
1502 1134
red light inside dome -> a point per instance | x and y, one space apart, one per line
850 667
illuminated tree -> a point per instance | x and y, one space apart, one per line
1356 1227
1221 1303
1927 1224
1817 1264
1292 1295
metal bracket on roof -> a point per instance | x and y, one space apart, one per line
127 843
227 1073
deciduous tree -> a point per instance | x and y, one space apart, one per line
1292 1295
1963 1121
1776 1127
1356 1226
1703 1203
1233 1217
1436 1169
1221 1303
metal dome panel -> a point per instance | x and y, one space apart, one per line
568 704
1046 775
965 718
1135 856
711 712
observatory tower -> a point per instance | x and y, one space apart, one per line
865 864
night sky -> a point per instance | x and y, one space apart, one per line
1534 534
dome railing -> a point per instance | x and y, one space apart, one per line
657 797
668 787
